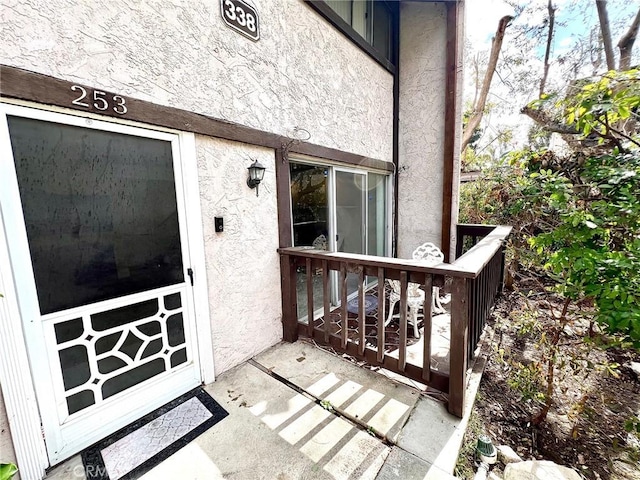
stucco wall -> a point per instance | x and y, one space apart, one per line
242 262
423 35
301 73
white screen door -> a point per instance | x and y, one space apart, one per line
94 216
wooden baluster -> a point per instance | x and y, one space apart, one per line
460 237
361 312
459 345
496 272
344 314
402 346
486 296
326 299
309 298
473 311
426 329
381 315
502 267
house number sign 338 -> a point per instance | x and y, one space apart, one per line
241 17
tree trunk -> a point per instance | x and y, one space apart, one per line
547 52
478 108
626 43
601 5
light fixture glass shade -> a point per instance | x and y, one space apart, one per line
256 171
256 174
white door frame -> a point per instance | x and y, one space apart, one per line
19 388
365 206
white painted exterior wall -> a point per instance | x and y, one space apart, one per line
421 137
7 455
302 72
243 266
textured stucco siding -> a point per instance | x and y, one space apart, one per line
423 37
242 262
301 73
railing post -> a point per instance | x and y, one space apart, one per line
289 299
459 343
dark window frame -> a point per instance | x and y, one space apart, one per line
347 30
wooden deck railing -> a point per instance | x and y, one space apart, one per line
483 289
474 283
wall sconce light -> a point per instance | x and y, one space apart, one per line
256 174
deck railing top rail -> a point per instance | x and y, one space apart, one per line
373 261
467 266
482 252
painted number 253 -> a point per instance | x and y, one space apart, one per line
235 13
100 100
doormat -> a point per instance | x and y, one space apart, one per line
137 448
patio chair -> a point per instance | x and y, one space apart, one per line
320 243
431 255
415 300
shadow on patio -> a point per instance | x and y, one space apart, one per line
299 412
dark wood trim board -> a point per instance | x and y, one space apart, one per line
35 87
451 123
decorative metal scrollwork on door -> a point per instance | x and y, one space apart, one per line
103 353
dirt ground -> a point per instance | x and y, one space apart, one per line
595 394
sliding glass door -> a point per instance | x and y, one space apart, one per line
339 210
376 227
350 213
311 223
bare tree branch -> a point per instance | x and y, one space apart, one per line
547 52
606 34
595 50
626 43
478 109
476 68
543 119
617 132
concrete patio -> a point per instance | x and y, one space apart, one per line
299 412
